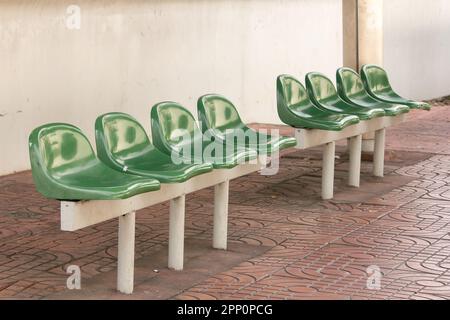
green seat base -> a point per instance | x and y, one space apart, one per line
369 113
272 144
226 156
169 172
396 109
331 122
400 101
98 182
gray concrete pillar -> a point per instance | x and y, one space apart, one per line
363 40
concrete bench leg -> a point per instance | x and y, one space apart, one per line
125 256
354 146
328 170
176 233
378 154
220 215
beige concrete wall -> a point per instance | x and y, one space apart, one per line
362 32
130 54
370 32
417 47
350 33
363 41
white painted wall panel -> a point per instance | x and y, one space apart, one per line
417 47
130 54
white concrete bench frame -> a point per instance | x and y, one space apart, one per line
307 138
81 214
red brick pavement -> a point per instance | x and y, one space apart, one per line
285 242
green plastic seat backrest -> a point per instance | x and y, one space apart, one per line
57 149
375 79
322 89
350 86
293 100
171 125
218 114
120 137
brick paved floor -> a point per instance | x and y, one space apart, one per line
285 243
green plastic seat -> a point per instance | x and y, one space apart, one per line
219 116
296 109
323 94
351 89
64 167
377 84
123 145
175 132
